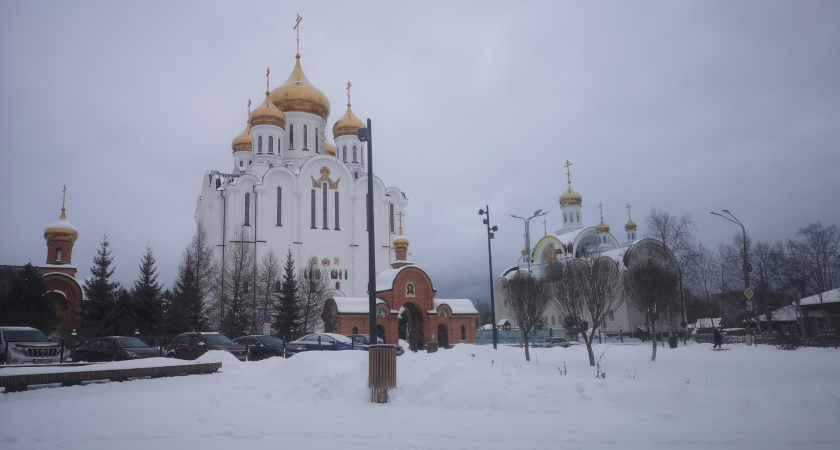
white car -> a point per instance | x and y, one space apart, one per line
553 342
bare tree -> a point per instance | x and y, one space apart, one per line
768 278
526 300
651 285
816 261
236 279
588 289
704 276
676 233
268 287
313 292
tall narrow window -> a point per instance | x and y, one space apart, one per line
291 137
578 217
305 140
324 189
271 144
463 333
564 218
240 163
247 208
354 154
355 175
344 153
279 206
391 216
313 210
317 141
58 254
259 144
336 212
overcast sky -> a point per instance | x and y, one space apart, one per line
685 106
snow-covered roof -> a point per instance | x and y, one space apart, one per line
62 223
354 305
385 279
616 254
832 296
503 322
568 239
783 314
707 323
458 306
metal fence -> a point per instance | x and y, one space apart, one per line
777 340
484 337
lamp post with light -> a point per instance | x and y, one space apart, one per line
527 221
490 234
746 267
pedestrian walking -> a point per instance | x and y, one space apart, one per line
718 339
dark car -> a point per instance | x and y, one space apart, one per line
114 348
362 342
324 341
263 347
194 344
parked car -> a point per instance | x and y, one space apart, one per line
262 347
114 348
362 342
26 345
194 344
553 342
324 341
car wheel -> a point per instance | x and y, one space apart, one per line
170 355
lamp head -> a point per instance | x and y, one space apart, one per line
484 221
495 228
480 212
727 211
363 134
538 212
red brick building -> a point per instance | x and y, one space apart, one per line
60 273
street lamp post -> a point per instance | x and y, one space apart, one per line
746 267
365 135
490 234
527 221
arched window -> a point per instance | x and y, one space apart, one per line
612 316
354 154
564 218
271 144
317 141
337 285
336 212
578 217
391 216
355 330
247 209
305 138
58 254
240 163
552 320
344 153
324 188
259 144
463 333
313 210
291 137
279 206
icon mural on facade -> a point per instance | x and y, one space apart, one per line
550 254
409 288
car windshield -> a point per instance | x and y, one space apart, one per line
24 336
270 340
130 342
219 339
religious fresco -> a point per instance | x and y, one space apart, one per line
325 176
325 262
409 288
380 312
550 254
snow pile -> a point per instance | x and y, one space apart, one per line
469 397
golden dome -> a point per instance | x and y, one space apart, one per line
630 225
61 231
329 148
348 124
524 251
242 143
299 95
267 114
602 227
400 242
570 197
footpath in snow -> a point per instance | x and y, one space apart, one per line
469 397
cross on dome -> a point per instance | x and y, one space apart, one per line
601 207
297 28
568 175
628 211
400 214
63 200
267 72
348 93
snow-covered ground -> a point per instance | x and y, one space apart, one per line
466 398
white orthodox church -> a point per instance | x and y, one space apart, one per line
574 240
290 188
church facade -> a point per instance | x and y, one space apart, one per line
290 188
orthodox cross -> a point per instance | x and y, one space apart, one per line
545 230
400 214
249 107
348 93
568 175
628 210
267 71
601 207
297 28
63 196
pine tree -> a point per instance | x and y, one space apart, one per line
287 311
402 325
27 303
146 296
99 304
196 278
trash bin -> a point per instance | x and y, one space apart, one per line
672 341
431 347
382 371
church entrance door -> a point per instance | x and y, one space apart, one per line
380 332
415 324
443 336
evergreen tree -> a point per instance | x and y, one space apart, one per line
99 304
287 310
402 325
196 278
26 302
146 296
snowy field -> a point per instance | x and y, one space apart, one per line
691 397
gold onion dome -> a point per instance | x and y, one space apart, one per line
630 225
400 242
602 227
299 95
61 231
329 147
242 143
267 114
570 197
348 124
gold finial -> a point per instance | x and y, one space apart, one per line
601 207
568 175
267 71
628 212
297 27
400 214
348 93
63 200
